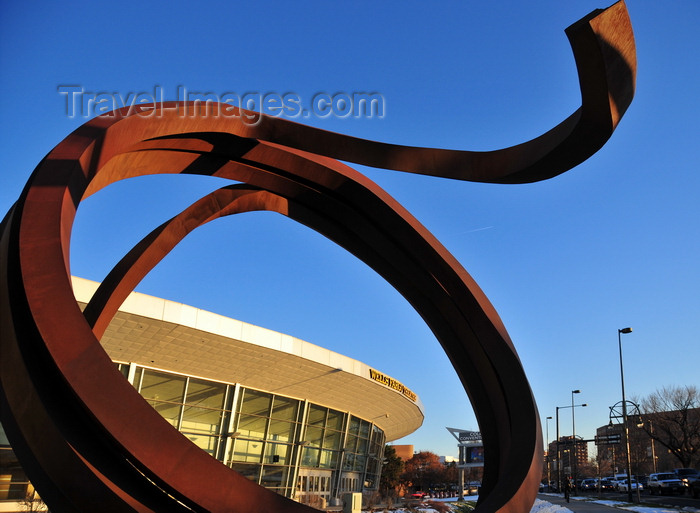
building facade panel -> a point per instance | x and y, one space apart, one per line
306 422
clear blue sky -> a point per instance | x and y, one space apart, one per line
566 262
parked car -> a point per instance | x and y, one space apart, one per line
665 483
589 484
607 484
686 472
617 479
687 475
418 495
624 486
472 488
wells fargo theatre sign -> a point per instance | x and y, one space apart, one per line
392 383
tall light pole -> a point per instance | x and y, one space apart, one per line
549 456
559 488
573 429
624 414
653 450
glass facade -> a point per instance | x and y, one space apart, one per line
14 484
299 449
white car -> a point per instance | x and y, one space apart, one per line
624 485
665 483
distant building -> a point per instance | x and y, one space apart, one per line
646 454
571 454
405 452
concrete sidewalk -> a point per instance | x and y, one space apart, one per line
577 506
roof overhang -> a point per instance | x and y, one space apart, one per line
166 335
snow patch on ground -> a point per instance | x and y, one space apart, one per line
541 506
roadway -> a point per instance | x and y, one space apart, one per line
674 501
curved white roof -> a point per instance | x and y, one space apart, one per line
171 336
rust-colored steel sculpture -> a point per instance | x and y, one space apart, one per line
89 442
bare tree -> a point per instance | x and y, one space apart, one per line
674 413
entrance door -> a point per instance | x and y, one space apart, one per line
314 487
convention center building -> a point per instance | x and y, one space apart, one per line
306 422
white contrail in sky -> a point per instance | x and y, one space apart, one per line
476 230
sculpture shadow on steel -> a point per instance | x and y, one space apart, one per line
89 442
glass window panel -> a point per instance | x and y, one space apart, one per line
4 441
251 427
247 470
124 369
370 481
247 450
351 443
364 429
332 440
137 378
372 448
349 461
377 434
160 386
169 411
281 431
278 454
317 415
309 457
362 445
314 436
329 459
165 393
255 403
274 477
359 464
284 408
206 443
380 452
336 420
206 394
354 426
201 420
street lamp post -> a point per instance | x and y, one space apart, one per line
573 430
549 456
653 450
624 414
